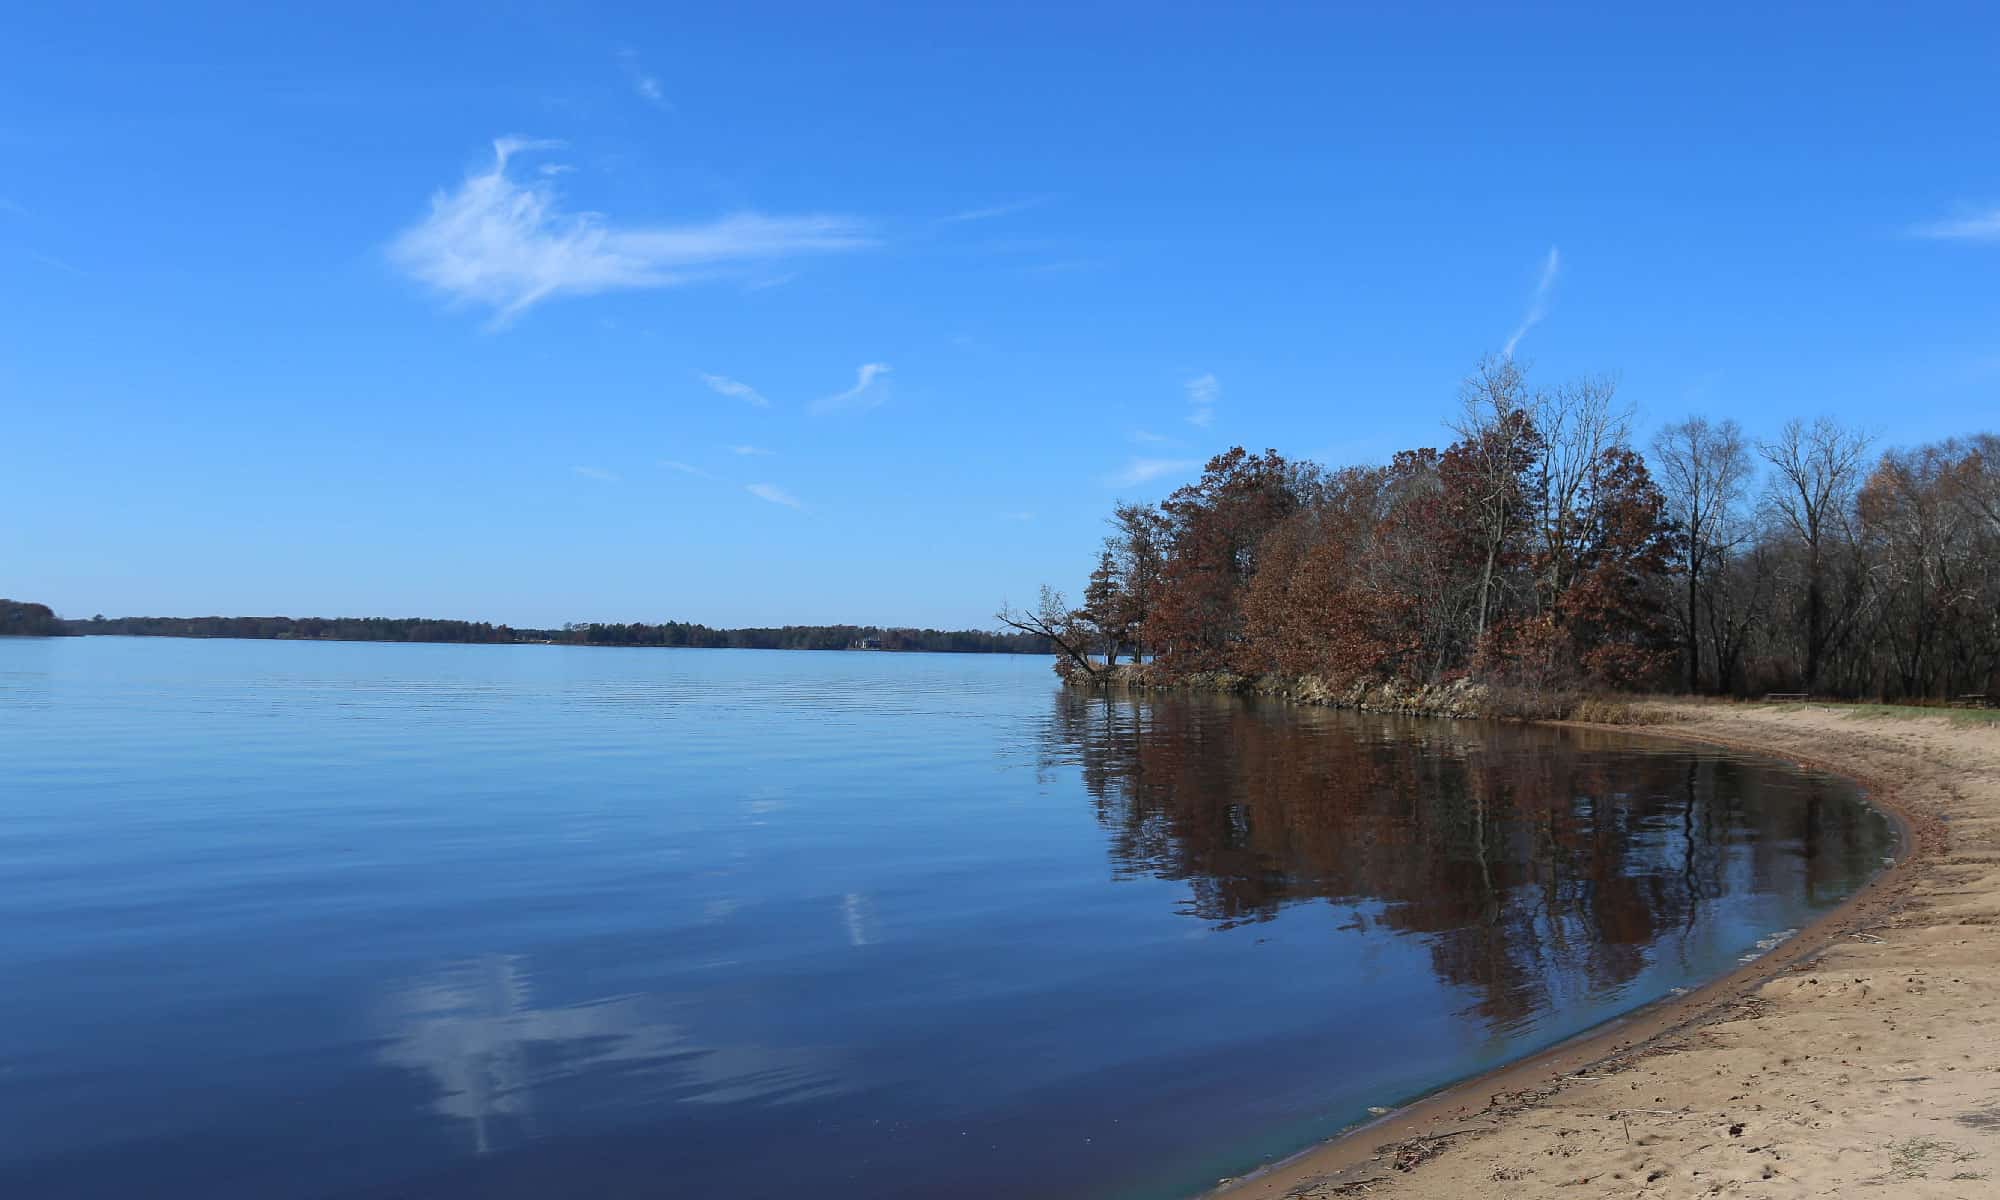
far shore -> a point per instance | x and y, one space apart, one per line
1856 1055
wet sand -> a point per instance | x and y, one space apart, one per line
1861 1057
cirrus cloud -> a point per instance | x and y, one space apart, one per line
1145 470
863 394
1980 227
1202 393
1539 306
773 493
507 245
735 389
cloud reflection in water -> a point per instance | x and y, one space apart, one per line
474 1028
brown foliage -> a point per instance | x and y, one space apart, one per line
1536 553
1216 528
1422 570
1310 609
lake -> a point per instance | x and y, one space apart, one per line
356 920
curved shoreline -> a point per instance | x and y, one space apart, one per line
1394 1152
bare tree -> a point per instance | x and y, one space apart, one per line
1577 422
1736 603
1927 519
1975 486
1704 470
1495 428
1816 472
1055 620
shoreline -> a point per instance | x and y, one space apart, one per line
1494 1127
1462 699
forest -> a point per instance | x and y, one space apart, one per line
1542 549
20 618
668 633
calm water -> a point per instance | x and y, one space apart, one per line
313 920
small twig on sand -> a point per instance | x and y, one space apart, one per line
1624 1116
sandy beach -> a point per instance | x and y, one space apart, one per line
1859 1058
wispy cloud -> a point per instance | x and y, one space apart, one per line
1202 393
50 260
1539 306
750 451
864 393
1143 470
1148 437
645 84
598 473
735 389
775 494
1981 227
508 245
1017 516
674 464
991 211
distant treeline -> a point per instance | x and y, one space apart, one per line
802 637
308 629
669 633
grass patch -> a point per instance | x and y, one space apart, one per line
1566 704
1915 712
1971 717
1619 710
1913 1158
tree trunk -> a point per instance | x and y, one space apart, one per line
1693 632
1815 625
1485 585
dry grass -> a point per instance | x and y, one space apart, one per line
1624 710
1597 708
1613 709
1969 717
1913 1158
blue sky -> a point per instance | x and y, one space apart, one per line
755 314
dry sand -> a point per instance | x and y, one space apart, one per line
1862 1058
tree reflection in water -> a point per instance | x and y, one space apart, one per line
1539 864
